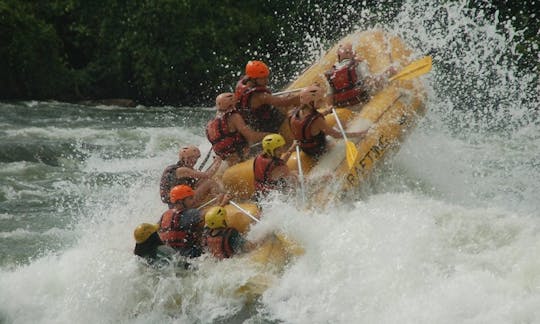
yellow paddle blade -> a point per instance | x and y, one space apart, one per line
352 153
413 70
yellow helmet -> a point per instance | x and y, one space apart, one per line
143 231
215 217
271 142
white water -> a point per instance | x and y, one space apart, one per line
449 231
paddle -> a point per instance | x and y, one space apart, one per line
351 151
207 203
205 159
286 92
300 174
414 69
244 211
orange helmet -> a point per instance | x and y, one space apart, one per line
345 50
180 192
257 69
225 101
311 94
189 151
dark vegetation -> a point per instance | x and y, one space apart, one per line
178 52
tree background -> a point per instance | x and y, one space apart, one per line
179 52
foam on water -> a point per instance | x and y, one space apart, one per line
448 232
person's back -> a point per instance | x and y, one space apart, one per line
309 127
219 240
301 123
228 133
260 109
269 168
181 226
150 247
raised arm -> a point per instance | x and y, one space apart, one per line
188 172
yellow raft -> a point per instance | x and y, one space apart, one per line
389 116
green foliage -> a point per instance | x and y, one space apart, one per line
167 51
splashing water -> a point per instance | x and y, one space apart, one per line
447 232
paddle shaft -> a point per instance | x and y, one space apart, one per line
205 159
286 92
300 174
207 203
339 125
244 211
414 69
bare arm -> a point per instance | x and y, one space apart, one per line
238 123
192 173
277 101
285 156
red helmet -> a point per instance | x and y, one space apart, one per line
225 101
311 94
180 192
257 69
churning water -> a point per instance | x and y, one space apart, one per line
448 230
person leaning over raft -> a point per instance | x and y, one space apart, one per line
308 126
183 173
228 133
150 247
256 103
181 226
220 240
350 81
270 169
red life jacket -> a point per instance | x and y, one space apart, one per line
265 118
217 242
184 236
169 181
347 85
225 143
312 145
262 170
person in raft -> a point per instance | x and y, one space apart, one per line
308 126
220 240
350 81
270 169
183 173
261 110
150 247
228 132
181 226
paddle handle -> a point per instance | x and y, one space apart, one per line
207 203
244 211
205 159
300 174
286 92
339 125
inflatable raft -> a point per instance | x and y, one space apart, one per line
389 116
